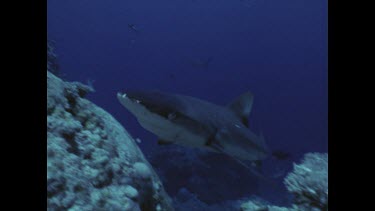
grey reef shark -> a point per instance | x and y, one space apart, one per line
191 122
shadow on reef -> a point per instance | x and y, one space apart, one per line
211 177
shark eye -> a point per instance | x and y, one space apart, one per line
172 116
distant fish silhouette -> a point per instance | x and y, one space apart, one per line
172 76
201 63
133 27
248 3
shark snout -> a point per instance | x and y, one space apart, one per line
125 96
121 95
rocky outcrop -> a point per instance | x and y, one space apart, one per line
308 182
257 204
92 162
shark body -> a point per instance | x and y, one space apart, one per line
188 121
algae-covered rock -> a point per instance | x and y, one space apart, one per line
92 162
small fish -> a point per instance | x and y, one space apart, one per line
172 76
248 3
133 27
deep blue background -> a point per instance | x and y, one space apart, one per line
276 49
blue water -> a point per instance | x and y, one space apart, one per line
276 49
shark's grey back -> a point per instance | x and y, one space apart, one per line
201 123
204 111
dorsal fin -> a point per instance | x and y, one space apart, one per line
242 105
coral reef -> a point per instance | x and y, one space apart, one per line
257 204
309 182
92 162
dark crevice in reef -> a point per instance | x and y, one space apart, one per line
78 188
73 146
54 186
50 111
87 156
83 91
311 200
72 103
147 205
105 182
70 110
83 121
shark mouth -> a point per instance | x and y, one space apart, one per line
145 104
153 103
157 115
126 96
132 104
131 100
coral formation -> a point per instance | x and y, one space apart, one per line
257 204
92 162
309 182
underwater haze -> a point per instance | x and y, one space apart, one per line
213 50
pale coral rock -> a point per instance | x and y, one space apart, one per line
89 155
131 192
308 182
142 170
